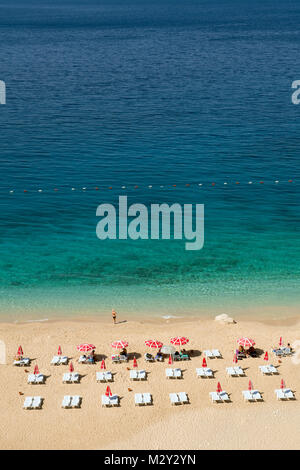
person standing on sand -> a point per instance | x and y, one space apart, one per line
114 315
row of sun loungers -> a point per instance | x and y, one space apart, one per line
179 398
107 376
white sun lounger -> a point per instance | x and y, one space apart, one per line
169 373
209 354
66 403
216 353
177 373
134 375
104 376
219 397
147 397
28 403
174 398
204 372
22 363
183 397
75 402
284 394
252 395
36 379
138 399
142 374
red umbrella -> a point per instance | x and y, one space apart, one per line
266 358
179 340
170 359
282 385
20 351
135 362
204 363
153 343
86 347
246 342
108 391
36 370
280 341
71 367
59 352
235 359
219 388
250 385
119 344
103 364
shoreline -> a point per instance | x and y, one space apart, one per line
269 315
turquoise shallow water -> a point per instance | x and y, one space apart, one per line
104 94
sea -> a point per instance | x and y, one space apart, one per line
163 101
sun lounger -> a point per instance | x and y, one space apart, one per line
209 354
147 397
115 359
23 362
285 394
114 400
134 375
177 373
104 376
183 397
28 403
219 397
138 399
184 357
159 357
76 401
66 403
123 358
216 353
176 357
148 357
142 374
55 361
273 369
174 398
204 372
252 395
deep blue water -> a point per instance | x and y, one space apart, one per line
124 93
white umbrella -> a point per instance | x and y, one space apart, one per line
166 349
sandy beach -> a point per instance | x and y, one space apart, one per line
198 425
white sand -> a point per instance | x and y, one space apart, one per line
199 425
